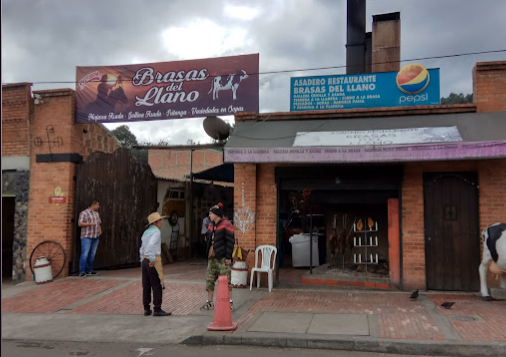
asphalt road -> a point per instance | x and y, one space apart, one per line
17 348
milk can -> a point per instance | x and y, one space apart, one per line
239 278
42 271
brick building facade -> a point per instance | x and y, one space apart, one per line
256 188
173 164
41 145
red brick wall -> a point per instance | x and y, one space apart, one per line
245 200
176 164
489 86
48 221
255 188
492 206
492 192
266 205
97 138
16 109
52 221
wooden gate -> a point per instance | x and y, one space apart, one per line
127 192
452 237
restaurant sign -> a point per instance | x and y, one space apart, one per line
412 85
168 90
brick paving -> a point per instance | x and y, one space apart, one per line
178 298
493 313
181 270
57 295
398 316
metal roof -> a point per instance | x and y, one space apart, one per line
472 127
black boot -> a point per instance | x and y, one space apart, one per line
160 312
147 311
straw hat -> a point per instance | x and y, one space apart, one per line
153 217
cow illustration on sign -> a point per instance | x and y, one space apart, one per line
231 83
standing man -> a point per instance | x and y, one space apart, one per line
89 221
150 251
204 236
220 246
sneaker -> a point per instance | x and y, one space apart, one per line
82 275
161 313
207 306
231 305
92 273
147 312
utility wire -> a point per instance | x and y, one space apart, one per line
306 69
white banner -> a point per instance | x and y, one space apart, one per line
378 137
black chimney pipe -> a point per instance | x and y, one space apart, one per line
355 37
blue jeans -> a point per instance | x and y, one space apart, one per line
88 250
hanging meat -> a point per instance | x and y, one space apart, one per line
370 223
360 225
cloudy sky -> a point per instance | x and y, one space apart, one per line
44 40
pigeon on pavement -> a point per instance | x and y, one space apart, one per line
447 305
414 296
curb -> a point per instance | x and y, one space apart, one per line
363 344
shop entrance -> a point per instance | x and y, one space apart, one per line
346 210
452 243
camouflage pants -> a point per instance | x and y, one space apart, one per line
215 268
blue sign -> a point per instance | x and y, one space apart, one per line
412 85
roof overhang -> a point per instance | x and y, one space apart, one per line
221 173
483 136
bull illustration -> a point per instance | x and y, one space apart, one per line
231 83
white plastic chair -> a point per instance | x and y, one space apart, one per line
265 267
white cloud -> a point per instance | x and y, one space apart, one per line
241 12
202 38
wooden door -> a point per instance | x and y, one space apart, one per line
126 190
452 237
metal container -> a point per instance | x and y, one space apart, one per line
239 278
42 271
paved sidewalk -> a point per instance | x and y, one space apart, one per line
107 308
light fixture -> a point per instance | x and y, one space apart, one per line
38 99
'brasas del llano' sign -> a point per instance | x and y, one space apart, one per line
412 85
168 90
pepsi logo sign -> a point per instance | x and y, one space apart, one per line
413 78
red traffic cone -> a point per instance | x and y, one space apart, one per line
222 312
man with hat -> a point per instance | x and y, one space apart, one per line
220 246
150 251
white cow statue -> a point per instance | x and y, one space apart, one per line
232 83
494 256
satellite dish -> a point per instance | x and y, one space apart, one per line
216 128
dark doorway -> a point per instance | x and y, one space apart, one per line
337 196
452 237
8 205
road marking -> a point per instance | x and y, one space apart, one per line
144 350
